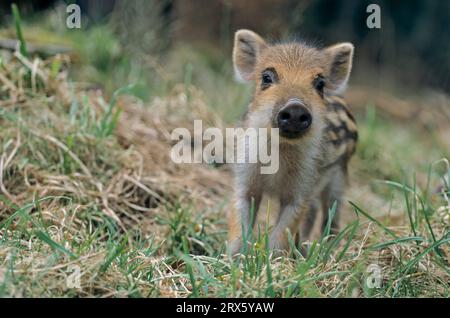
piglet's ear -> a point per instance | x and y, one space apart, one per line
247 48
340 57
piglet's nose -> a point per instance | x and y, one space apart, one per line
294 118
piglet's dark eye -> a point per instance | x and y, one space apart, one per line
319 84
268 77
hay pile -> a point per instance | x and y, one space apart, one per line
52 148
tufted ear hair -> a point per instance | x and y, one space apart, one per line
340 58
247 48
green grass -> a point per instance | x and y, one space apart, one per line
69 204
147 269
17 22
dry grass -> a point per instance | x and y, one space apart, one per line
85 189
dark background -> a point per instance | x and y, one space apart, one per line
412 48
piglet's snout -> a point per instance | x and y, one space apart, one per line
294 119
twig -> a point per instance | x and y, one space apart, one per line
7 82
143 187
4 162
45 49
58 143
29 65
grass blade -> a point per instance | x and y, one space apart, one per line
349 228
331 214
359 210
113 253
269 291
354 228
46 239
189 270
18 22
397 241
416 259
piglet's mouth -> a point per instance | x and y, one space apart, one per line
292 135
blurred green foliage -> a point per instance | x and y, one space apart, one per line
412 47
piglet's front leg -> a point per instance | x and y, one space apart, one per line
241 219
288 221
